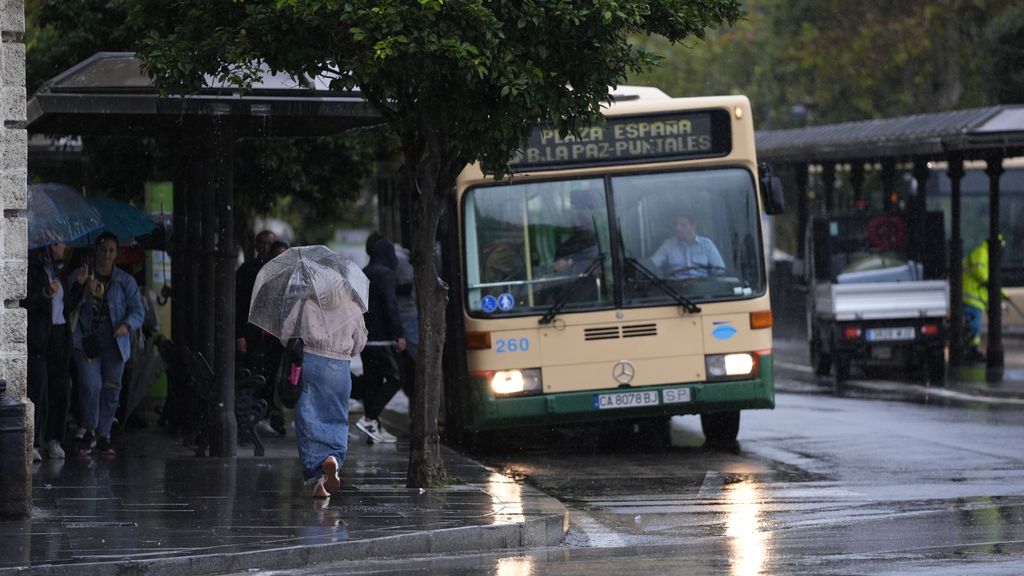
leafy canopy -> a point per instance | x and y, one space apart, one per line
471 74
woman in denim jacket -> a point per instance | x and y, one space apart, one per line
108 307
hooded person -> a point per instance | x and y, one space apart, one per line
385 338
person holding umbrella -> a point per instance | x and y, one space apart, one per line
105 307
309 292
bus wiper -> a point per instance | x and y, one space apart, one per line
555 308
683 301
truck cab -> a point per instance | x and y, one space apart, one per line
877 293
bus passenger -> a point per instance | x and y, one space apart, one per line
687 254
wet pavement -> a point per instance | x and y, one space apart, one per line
967 382
158 509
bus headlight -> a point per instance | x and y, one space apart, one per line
729 366
516 382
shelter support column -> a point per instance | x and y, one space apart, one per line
889 185
802 207
994 351
225 440
956 275
857 181
828 179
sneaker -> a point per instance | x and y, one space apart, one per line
370 428
385 436
86 443
331 481
104 448
36 456
265 429
79 433
54 451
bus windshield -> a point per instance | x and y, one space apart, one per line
698 231
678 236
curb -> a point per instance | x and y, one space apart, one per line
544 531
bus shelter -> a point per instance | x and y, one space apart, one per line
887 150
110 94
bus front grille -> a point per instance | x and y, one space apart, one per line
613 332
639 330
602 333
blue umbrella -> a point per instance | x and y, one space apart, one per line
120 219
58 213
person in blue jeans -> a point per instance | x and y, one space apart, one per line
321 413
104 306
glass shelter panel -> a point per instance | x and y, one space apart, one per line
692 234
530 245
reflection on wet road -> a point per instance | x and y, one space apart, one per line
819 485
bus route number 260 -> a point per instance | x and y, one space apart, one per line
503 345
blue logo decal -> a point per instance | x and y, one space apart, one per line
506 302
489 304
723 331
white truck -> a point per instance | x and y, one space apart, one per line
877 294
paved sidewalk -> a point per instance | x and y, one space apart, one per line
158 509
966 383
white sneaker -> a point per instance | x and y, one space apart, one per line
265 429
36 456
385 436
370 428
54 451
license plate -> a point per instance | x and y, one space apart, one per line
884 334
675 395
625 400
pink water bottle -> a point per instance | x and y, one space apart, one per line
293 377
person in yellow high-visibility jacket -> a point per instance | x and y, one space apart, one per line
975 284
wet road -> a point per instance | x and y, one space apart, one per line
822 484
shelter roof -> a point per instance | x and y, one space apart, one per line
109 93
972 132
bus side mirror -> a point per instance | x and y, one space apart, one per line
771 187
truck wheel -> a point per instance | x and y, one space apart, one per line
842 368
820 361
935 363
720 428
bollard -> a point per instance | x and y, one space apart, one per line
15 481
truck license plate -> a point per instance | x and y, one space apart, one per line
886 334
626 400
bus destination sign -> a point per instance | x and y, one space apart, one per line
629 139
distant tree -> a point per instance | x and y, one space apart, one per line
457 81
1003 57
851 59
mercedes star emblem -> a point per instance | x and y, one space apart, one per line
623 371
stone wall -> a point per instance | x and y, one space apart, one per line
13 234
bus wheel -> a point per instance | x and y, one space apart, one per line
720 428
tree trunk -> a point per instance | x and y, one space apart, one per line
425 466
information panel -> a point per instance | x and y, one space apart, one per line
629 139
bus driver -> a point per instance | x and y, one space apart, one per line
688 255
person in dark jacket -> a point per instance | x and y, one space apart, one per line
249 338
385 339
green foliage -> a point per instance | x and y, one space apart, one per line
467 75
852 60
1004 64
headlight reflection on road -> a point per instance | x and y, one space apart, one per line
521 566
506 498
748 543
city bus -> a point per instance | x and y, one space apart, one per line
583 295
